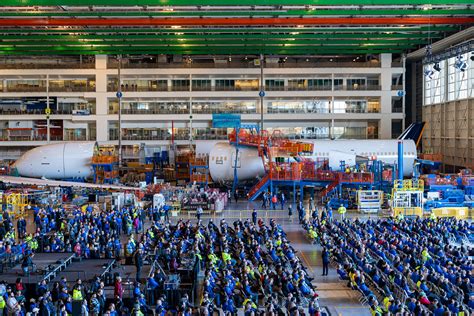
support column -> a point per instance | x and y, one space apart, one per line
101 101
385 124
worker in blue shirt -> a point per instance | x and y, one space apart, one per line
254 217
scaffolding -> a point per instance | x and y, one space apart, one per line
105 168
407 197
199 171
16 203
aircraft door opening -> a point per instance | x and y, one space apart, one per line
234 161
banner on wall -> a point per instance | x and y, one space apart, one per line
225 120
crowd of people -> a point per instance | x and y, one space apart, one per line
402 265
247 264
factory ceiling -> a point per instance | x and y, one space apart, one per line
223 27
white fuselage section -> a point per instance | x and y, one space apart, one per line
250 165
57 161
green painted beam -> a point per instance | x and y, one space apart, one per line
281 51
424 29
224 2
204 42
354 37
234 13
212 45
211 41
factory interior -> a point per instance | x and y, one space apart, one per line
187 157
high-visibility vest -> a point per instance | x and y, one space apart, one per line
251 303
342 210
432 216
2 302
226 257
386 303
212 257
376 311
77 295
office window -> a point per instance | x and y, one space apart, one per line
180 85
338 84
457 79
350 106
225 85
356 84
297 84
435 84
319 84
274 84
201 85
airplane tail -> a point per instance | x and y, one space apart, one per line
414 132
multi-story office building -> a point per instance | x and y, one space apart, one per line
165 98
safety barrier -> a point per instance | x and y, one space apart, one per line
198 178
199 161
104 159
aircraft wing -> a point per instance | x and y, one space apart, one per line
57 183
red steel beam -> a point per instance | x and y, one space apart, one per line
235 21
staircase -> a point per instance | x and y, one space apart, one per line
259 188
329 189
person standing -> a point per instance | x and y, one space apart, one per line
325 257
199 212
290 211
166 210
236 196
329 213
21 227
138 263
254 217
342 211
264 200
282 200
118 288
274 201
301 212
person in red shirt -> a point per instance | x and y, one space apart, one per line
118 288
19 285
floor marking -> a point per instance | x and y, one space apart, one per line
307 262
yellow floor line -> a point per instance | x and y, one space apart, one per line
307 262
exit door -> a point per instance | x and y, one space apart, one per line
233 159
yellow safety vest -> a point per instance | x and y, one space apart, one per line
425 255
249 301
77 295
212 257
226 257
2 302
342 210
386 303
433 216
376 311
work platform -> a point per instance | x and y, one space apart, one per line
48 266
301 175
